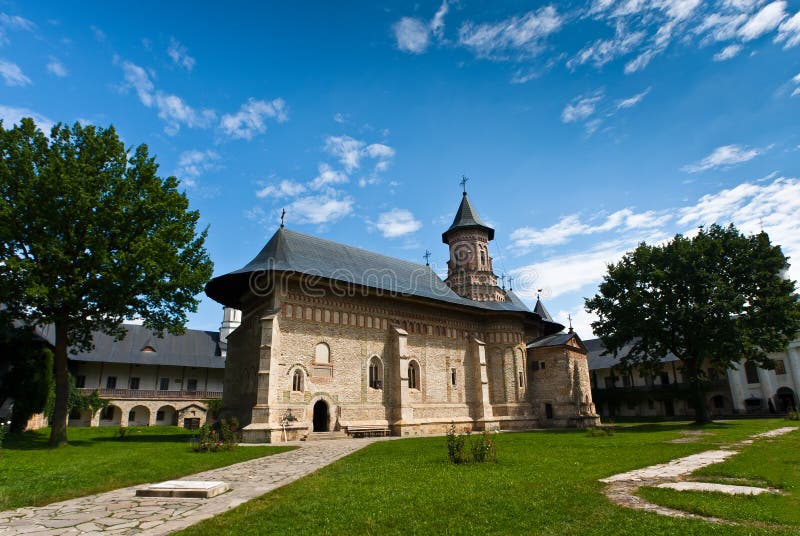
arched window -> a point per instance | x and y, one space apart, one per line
375 373
322 353
413 375
297 381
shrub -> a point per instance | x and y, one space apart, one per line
121 433
600 431
4 428
221 435
481 447
793 415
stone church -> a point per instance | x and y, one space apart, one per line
329 338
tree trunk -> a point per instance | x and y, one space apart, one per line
697 392
58 425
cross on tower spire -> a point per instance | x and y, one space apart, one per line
427 257
569 318
463 183
283 215
510 280
503 281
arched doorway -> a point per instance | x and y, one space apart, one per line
786 400
321 417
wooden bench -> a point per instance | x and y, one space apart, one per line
368 430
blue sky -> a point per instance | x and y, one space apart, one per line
584 127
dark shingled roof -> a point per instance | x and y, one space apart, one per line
557 339
599 361
540 310
195 348
467 218
292 252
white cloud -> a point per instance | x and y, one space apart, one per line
397 222
13 22
525 238
796 80
789 32
520 36
764 21
192 164
728 52
57 68
99 34
12 115
581 107
340 118
724 156
180 55
319 209
284 188
350 151
12 74
413 35
327 176
251 118
603 51
630 102
171 108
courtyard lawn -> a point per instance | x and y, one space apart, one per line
774 463
543 483
95 461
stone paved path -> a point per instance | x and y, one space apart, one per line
120 512
622 487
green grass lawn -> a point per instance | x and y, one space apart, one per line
96 461
774 463
543 483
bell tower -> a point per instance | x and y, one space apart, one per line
469 270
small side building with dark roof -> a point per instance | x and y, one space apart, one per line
338 339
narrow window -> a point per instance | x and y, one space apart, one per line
191 385
521 379
134 383
542 364
297 381
375 373
453 377
163 384
548 411
483 258
751 371
80 381
111 382
413 375
322 353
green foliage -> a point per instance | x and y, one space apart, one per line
30 378
793 415
220 436
460 449
214 406
712 300
4 429
600 431
90 235
121 433
94 462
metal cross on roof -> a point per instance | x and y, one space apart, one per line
283 215
510 281
427 257
463 183
503 281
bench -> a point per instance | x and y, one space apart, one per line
368 430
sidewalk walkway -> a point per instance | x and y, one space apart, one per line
120 512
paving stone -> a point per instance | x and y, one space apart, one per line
721 488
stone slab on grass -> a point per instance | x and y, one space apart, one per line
186 489
721 488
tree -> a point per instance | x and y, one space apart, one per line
712 301
29 380
90 236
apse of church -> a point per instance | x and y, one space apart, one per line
329 349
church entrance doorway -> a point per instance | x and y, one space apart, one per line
786 401
321 416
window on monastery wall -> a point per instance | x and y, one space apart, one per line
453 377
780 367
610 382
191 384
163 384
297 381
751 371
521 379
664 376
134 383
413 375
111 382
322 353
548 411
626 380
289 311
375 373
298 313
80 381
